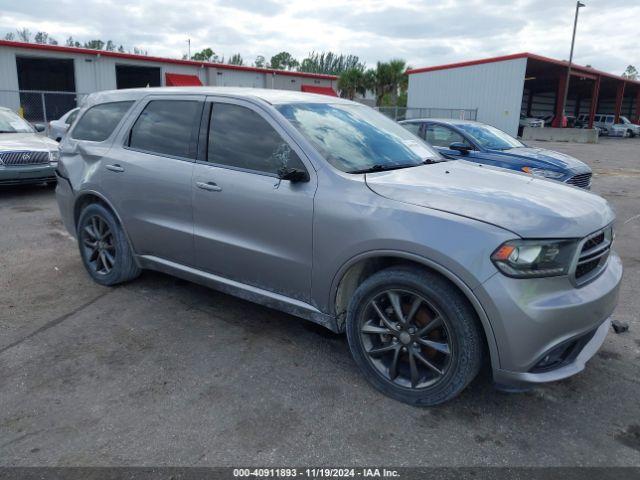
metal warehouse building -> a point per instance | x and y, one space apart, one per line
502 88
45 81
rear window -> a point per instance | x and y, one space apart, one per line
167 127
99 122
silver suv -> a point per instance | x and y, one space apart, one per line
325 209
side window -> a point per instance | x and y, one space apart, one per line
99 122
413 127
72 117
239 137
167 127
440 136
609 118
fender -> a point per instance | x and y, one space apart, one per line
457 281
85 193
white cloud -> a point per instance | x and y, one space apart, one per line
423 32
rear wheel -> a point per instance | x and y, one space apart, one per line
414 336
105 251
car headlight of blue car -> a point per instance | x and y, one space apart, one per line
541 172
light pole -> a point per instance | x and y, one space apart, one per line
573 41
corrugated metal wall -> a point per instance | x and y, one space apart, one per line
95 73
495 89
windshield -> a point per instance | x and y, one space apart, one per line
624 119
12 123
490 137
354 138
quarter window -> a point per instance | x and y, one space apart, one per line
239 137
167 127
72 117
99 122
413 127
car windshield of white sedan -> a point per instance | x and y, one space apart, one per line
12 123
356 138
490 137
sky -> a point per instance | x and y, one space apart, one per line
422 32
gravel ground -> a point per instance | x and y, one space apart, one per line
165 372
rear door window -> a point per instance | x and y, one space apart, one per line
167 127
98 123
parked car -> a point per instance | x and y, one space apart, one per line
58 128
25 156
328 210
530 122
624 127
484 144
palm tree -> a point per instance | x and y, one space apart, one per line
351 82
390 79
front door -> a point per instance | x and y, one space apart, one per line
249 226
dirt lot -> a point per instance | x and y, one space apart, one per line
164 372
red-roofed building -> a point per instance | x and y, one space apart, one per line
30 71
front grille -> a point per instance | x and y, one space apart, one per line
593 255
583 180
12 159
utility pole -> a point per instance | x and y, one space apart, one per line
189 49
573 41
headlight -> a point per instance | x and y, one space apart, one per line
540 172
54 157
534 258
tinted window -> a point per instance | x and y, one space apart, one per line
99 122
440 136
167 127
239 137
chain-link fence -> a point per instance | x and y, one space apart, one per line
39 105
404 113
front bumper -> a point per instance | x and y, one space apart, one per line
27 174
533 317
66 198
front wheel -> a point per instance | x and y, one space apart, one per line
104 248
414 336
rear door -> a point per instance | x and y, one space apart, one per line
148 176
249 226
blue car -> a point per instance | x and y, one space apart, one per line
481 143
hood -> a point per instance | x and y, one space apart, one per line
541 157
531 207
11 142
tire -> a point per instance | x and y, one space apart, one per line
459 330
104 248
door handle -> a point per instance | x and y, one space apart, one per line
115 168
209 186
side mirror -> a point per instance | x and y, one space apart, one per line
294 175
463 148
39 127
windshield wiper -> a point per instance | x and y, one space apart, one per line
7 131
382 168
